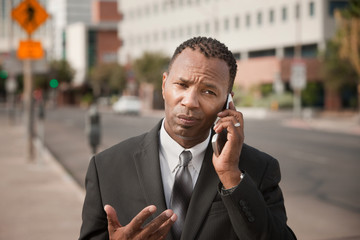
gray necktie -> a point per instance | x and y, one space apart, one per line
181 193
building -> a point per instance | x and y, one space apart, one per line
261 34
90 44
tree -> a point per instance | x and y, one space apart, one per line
348 37
61 70
149 68
107 78
337 73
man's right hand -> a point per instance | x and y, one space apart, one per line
156 229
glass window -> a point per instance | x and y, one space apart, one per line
284 13
333 5
216 26
312 9
297 11
271 16
259 18
226 24
207 27
189 30
237 22
248 20
198 29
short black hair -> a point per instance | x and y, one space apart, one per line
210 47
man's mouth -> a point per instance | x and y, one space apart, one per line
188 121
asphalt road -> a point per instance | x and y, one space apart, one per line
320 170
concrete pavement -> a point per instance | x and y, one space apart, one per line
39 201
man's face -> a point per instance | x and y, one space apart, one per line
194 91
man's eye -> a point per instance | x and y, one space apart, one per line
181 84
210 92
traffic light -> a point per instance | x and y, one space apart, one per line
3 74
54 83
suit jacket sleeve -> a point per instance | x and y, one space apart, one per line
94 225
257 210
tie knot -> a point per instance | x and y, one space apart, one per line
185 158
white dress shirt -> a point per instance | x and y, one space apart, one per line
169 160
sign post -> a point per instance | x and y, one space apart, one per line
298 83
30 15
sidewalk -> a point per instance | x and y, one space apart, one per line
39 201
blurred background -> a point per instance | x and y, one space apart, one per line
77 77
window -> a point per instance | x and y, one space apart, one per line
259 18
284 13
262 53
198 29
216 26
156 8
189 33
297 11
271 16
226 24
207 27
248 20
311 9
333 5
237 22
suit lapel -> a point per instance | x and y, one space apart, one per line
148 170
203 195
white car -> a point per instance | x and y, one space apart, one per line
127 105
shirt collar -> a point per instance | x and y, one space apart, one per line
172 150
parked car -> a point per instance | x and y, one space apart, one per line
127 105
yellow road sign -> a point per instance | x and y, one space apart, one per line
30 15
29 49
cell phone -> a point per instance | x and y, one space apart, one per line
219 139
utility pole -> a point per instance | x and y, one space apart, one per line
30 15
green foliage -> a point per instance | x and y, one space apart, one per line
108 78
313 94
266 89
149 68
353 10
336 71
61 70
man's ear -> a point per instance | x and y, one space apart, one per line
164 78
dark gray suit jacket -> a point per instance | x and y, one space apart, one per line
127 176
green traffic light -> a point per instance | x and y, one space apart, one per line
54 83
3 74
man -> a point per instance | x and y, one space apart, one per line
234 195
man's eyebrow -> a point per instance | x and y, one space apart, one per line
208 85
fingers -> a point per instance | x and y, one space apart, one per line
113 222
227 120
160 226
139 219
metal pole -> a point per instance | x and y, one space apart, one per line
29 107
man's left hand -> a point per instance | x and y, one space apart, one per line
227 163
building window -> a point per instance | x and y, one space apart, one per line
248 20
198 29
207 27
259 18
284 14
164 35
237 22
181 3
311 9
297 11
226 24
271 16
189 33
334 5
156 8
262 53
216 26
237 55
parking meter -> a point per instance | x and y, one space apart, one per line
94 129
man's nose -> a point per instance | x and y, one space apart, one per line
190 99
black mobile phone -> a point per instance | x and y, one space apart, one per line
219 139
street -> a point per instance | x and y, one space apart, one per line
320 170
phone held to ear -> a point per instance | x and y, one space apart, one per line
219 139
